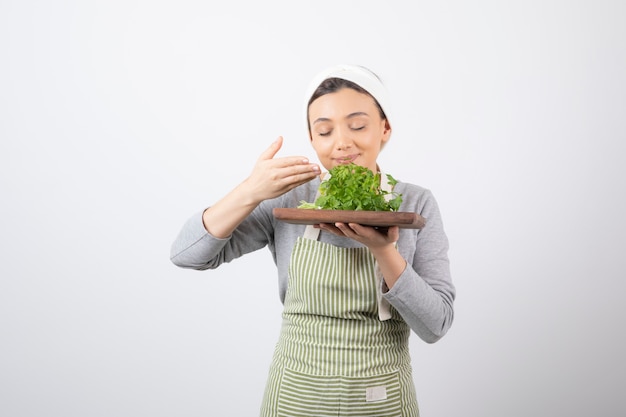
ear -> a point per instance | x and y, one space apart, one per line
386 132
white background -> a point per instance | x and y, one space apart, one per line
120 119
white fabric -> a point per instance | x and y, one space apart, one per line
311 232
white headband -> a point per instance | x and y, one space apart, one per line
361 76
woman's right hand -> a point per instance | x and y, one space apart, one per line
272 177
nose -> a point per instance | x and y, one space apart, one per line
343 140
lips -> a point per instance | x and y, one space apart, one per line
346 159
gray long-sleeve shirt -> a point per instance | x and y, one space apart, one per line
423 295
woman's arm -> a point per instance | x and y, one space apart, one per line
270 178
424 293
416 273
203 241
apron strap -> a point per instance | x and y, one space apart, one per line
311 232
384 308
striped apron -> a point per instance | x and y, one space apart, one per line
339 353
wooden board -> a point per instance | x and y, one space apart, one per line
401 219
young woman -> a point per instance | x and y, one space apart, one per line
351 293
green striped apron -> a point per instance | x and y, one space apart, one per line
342 351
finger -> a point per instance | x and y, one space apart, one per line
302 179
346 229
393 233
370 232
270 152
303 172
355 228
292 161
294 175
359 231
331 228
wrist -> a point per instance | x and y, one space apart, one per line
391 264
247 194
384 251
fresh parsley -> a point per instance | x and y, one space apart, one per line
353 187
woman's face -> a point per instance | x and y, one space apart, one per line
346 127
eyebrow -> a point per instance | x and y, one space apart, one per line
350 116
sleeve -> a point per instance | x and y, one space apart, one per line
195 248
424 294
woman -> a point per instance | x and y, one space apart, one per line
351 293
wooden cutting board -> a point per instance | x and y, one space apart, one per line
401 219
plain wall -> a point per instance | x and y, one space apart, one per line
120 119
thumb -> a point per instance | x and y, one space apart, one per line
270 152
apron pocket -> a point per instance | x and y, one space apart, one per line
304 395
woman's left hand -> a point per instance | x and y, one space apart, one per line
371 237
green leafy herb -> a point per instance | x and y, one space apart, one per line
353 187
